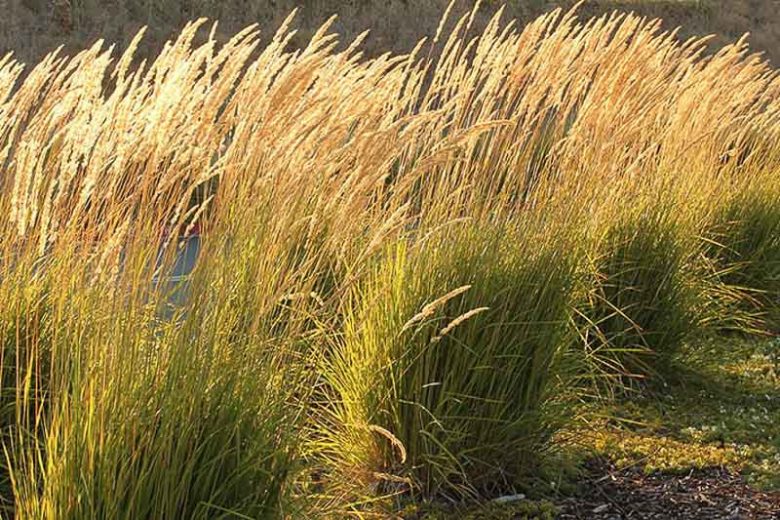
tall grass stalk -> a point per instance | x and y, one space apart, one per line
453 367
331 192
744 233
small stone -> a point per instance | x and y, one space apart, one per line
509 498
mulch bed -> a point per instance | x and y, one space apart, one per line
712 494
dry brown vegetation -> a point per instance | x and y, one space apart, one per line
33 28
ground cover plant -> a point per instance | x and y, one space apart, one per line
719 410
415 273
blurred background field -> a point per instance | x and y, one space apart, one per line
32 28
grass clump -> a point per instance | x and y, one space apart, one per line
208 397
647 297
745 245
450 377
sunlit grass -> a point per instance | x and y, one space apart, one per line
412 269
455 352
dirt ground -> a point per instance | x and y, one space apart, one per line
32 28
706 494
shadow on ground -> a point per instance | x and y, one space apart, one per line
705 443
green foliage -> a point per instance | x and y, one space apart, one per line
745 245
26 334
451 375
196 416
720 407
516 510
647 298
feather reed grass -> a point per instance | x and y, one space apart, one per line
458 377
408 237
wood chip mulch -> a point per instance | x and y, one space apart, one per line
711 494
